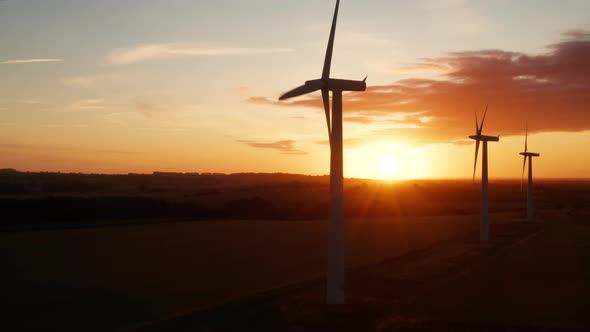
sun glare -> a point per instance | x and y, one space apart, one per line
388 168
387 161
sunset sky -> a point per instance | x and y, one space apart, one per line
192 86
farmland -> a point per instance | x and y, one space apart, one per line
116 276
97 260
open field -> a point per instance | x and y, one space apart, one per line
541 282
111 277
456 285
93 252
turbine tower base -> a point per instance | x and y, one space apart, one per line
484 233
335 278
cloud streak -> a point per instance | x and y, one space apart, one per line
458 17
88 104
149 110
78 81
423 67
79 105
284 147
43 148
26 61
151 52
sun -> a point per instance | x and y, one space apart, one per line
388 160
388 168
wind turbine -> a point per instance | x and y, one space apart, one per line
335 275
478 137
530 211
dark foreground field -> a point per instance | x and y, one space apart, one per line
110 277
417 274
531 277
210 252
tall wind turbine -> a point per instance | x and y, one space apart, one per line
530 211
478 137
335 275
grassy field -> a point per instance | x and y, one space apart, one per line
110 277
540 282
392 295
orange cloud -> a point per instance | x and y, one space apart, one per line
424 67
551 90
285 147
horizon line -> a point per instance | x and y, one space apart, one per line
5 170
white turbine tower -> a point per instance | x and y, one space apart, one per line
478 137
530 211
335 275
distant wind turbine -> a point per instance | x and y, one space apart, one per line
335 276
478 137
530 211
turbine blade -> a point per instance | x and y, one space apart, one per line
522 177
483 120
526 136
329 50
475 161
476 124
326 99
302 90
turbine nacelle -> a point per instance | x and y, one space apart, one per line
330 84
341 85
478 137
485 138
526 154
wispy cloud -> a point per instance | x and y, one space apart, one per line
171 112
285 147
423 67
25 61
32 147
398 119
30 102
243 91
457 16
81 81
94 80
79 105
148 109
63 125
149 52
87 104
162 118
